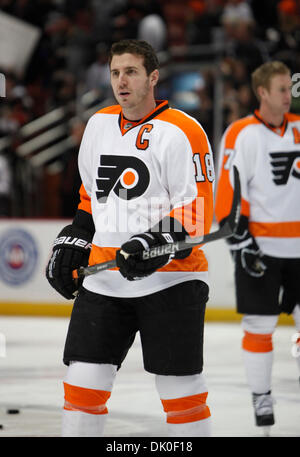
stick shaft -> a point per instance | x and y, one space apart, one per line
226 230
157 251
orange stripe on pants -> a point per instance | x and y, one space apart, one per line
254 342
91 401
186 409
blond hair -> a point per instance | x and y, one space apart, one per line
262 75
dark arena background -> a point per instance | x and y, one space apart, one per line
54 77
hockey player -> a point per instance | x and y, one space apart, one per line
147 179
265 147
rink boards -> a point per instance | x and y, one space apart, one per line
25 247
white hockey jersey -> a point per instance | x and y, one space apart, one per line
268 160
133 175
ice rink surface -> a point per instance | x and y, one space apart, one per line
31 375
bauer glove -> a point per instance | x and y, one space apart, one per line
246 251
70 251
129 258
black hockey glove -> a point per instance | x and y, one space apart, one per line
246 251
71 250
129 258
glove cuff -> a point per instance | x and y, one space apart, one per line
242 238
147 239
243 244
144 239
170 230
75 238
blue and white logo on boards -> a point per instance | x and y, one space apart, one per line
18 256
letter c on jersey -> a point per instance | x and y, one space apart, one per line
127 176
142 143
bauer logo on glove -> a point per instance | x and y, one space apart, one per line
68 240
71 250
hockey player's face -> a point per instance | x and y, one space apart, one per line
279 96
132 87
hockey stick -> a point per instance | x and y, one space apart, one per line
226 230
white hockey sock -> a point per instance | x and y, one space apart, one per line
87 388
184 401
80 424
258 369
258 351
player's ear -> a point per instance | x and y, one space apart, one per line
261 92
154 77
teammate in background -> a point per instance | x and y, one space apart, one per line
265 147
147 179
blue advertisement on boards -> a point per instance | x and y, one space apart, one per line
18 256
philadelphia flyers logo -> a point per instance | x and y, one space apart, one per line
128 177
284 165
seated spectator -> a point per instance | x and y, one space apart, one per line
237 10
286 43
152 29
203 17
239 34
98 73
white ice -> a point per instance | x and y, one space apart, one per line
31 374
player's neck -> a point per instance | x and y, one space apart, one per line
270 117
139 112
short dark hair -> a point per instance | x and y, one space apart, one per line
137 47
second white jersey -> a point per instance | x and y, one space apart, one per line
268 161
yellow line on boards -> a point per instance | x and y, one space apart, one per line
230 315
64 310
35 309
